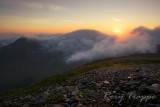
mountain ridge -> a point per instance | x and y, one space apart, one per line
28 57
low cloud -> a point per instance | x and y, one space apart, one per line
89 45
140 40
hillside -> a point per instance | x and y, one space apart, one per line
126 81
29 60
24 62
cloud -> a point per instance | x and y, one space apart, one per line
37 5
140 40
57 7
89 45
116 19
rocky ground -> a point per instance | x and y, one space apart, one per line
117 87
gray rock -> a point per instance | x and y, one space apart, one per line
59 88
150 82
25 105
98 85
133 83
117 89
154 88
75 92
74 105
74 100
79 84
133 86
45 95
106 99
153 105
142 87
57 105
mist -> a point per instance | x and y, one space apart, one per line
140 40
88 45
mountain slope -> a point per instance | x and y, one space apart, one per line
5 42
24 62
28 60
87 85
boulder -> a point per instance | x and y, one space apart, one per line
155 88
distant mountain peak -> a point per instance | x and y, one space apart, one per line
22 39
87 34
87 31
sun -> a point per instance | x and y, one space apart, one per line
116 30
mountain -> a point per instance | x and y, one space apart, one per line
125 81
5 42
29 60
24 62
79 40
158 49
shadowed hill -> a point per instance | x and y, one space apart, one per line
90 82
28 60
120 62
24 62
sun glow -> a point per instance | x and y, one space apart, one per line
116 30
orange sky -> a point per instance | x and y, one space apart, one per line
59 16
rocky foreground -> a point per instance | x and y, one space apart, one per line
117 87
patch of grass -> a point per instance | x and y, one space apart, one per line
157 77
47 101
58 99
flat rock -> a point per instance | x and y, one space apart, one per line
154 88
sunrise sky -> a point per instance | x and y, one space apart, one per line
61 16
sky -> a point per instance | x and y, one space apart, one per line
62 16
